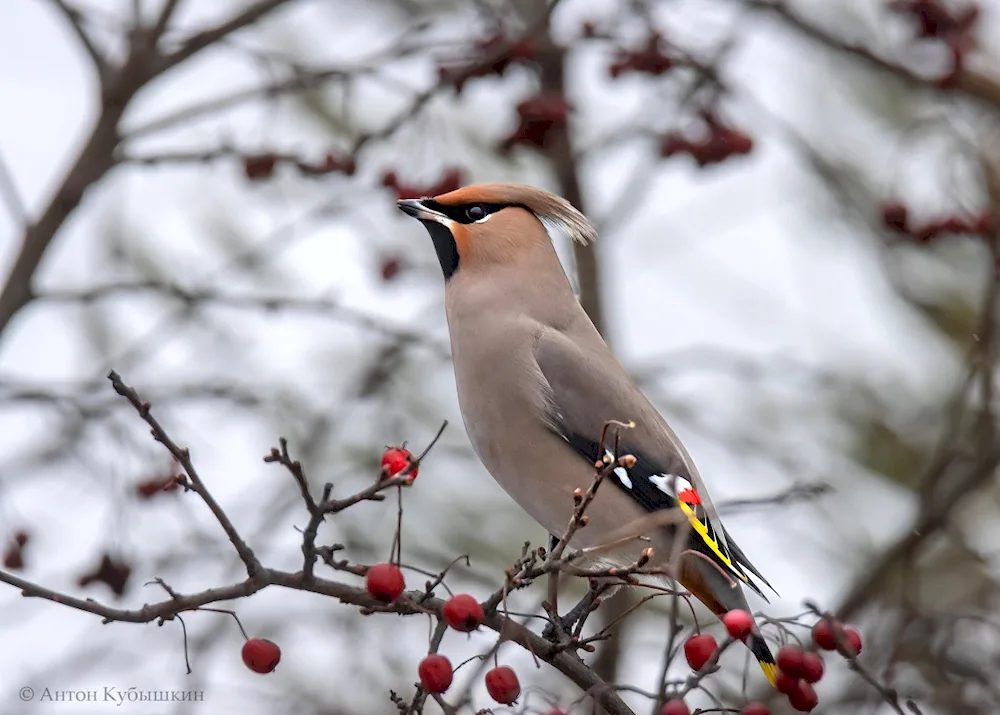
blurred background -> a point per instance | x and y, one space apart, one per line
797 204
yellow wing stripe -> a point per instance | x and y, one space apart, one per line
702 531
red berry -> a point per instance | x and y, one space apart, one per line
675 707
812 668
755 709
261 655
853 642
462 612
435 673
738 624
502 685
785 683
894 216
699 649
790 660
384 582
803 698
395 460
823 634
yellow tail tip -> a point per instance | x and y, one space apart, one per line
770 672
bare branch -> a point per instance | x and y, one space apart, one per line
569 665
93 162
975 84
794 493
320 306
206 38
10 195
76 20
183 456
933 516
166 13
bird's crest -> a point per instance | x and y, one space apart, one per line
553 211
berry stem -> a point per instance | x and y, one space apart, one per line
231 613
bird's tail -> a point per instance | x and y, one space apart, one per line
721 593
757 645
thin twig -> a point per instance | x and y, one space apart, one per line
166 13
76 21
10 195
183 457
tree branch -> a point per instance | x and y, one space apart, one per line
75 19
10 194
199 41
183 456
320 306
975 84
93 162
166 13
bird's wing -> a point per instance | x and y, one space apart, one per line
584 390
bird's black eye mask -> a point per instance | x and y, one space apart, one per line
465 213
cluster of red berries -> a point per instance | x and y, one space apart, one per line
649 60
895 216
954 28
721 143
13 557
258 167
537 117
436 675
450 180
499 52
465 614
798 670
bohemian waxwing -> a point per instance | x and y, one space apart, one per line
537 384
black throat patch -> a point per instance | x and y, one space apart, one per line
444 246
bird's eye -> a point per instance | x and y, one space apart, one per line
475 212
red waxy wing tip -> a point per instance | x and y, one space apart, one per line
689 496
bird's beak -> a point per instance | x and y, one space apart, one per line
416 209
